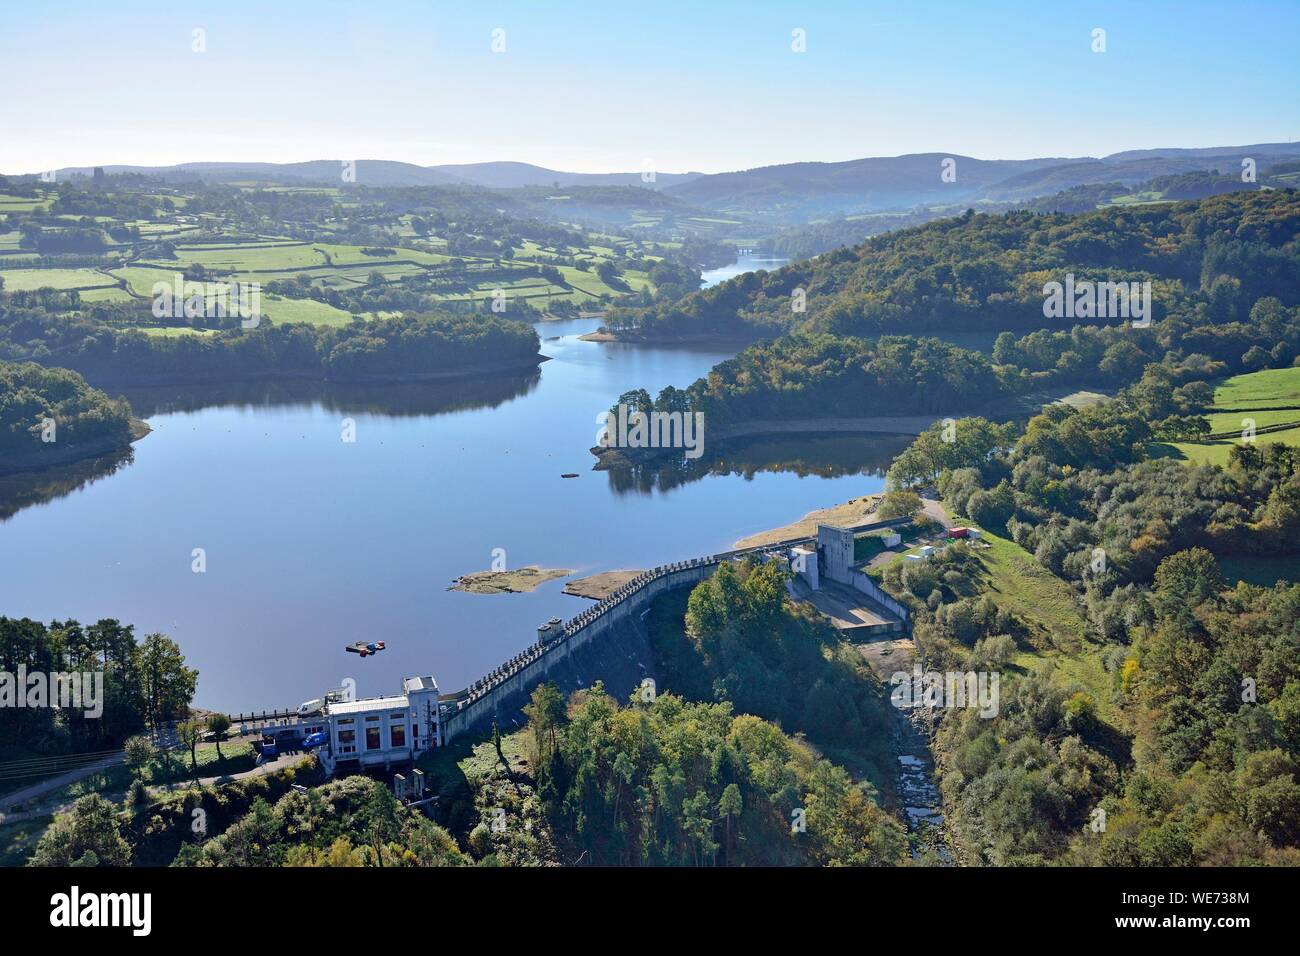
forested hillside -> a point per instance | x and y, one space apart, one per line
1224 274
987 271
1149 712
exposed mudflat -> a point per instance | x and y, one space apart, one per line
507 582
599 586
852 512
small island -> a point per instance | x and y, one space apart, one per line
517 581
52 417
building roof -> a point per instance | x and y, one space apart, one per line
411 684
366 704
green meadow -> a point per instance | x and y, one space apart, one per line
27 280
1268 398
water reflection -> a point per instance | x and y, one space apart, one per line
408 399
25 490
823 456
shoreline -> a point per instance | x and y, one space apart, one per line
399 378
852 512
1008 407
45 460
701 338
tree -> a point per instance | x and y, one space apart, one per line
381 808
140 752
189 733
1186 579
168 685
89 834
898 504
218 724
730 806
992 509
546 714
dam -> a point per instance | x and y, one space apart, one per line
390 731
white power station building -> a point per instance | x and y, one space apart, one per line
381 732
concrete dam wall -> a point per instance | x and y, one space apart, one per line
506 689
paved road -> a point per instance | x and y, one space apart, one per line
54 784
51 785
261 770
935 510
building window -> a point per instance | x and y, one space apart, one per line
347 736
372 738
397 734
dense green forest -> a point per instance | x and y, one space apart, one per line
667 782
145 683
30 329
33 397
1146 708
739 638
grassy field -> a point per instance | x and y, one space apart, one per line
1269 397
1221 422
26 280
427 274
10 204
281 310
107 294
1274 387
1018 582
171 331
1216 452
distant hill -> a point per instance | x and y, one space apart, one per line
803 191
382 172
789 194
798 190
515 175
373 172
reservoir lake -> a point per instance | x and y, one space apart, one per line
312 543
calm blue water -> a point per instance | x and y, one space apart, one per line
742 264
312 543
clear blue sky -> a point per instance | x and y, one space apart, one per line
707 85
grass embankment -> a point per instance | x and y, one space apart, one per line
1017 582
1025 587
